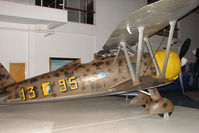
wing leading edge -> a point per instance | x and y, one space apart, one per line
153 17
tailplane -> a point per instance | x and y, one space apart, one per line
5 78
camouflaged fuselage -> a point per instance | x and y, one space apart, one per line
76 80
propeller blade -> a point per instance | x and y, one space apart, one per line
184 48
181 82
183 61
183 51
196 53
196 67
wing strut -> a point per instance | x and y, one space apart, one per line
128 61
131 51
181 82
148 44
172 27
139 54
135 77
118 52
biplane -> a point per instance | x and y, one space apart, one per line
117 69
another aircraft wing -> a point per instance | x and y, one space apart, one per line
153 17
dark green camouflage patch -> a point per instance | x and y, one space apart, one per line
119 71
123 77
66 73
54 94
92 86
85 75
98 86
17 95
56 74
94 73
83 87
74 65
87 70
98 64
164 105
16 87
33 80
79 66
104 85
8 76
115 79
61 70
108 63
2 76
52 85
110 71
120 63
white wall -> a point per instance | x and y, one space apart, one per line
71 40
29 14
13 47
33 48
32 2
74 40
64 45
189 28
109 13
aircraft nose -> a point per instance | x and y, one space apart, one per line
173 65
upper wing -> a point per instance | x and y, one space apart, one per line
153 17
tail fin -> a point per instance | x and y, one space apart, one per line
5 78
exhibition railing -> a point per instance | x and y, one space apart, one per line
74 14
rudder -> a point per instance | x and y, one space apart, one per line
5 78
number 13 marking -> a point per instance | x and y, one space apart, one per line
23 94
31 92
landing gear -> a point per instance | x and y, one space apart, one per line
141 99
158 105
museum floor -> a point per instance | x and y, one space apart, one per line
96 115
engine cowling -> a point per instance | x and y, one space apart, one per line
173 65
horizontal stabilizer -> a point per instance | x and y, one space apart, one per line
5 78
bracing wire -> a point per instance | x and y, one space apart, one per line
164 36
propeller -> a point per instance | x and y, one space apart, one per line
183 51
196 53
184 48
